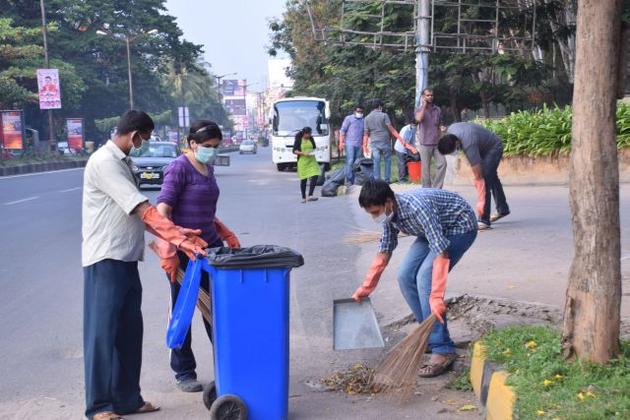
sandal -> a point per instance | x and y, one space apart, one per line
498 216
147 408
433 370
107 415
313 198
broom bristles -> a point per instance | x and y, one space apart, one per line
364 237
397 373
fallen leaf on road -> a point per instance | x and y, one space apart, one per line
467 407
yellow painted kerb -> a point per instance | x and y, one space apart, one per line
476 368
501 397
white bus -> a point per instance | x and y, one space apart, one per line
289 115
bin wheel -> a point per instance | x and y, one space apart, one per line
228 407
209 394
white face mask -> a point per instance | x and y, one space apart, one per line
383 218
358 115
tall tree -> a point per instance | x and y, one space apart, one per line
593 298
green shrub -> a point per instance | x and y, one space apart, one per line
547 131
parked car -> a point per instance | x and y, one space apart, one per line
248 146
148 167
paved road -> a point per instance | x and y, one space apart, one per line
525 257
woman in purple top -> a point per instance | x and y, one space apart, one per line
189 197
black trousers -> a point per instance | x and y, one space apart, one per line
311 188
494 188
183 360
112 337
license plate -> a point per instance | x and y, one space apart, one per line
149 175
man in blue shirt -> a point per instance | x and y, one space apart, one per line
351 138
445 226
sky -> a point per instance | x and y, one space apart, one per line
233 34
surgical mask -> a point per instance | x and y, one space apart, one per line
358 115
137 151
384 218
205 154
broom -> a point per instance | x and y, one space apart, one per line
367 236
397 373
203 299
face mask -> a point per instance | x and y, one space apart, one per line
358 115
384 218
137 151
205 154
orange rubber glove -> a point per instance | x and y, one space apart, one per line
480 185
438 286
371 279
193 235
169 261
163 228
226 234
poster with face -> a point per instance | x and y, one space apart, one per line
75 133
12 133
48 87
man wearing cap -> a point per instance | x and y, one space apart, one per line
429 117
115 216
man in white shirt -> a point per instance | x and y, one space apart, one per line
115 216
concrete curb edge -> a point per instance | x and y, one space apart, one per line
41 167
489 385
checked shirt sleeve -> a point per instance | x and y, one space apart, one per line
389 240
426 216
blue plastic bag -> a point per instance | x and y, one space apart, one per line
182 314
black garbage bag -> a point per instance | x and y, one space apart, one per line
413 157
335 180
258 256
363 170
322 176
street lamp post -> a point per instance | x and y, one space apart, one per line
219 84
128 40
51 131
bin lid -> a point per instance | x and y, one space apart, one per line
258 256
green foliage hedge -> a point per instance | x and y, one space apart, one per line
547 131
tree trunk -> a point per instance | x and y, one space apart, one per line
593 298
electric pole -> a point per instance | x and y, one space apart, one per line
52 144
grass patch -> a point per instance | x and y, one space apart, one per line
39 158
461 382
547 386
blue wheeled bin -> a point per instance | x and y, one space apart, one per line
250 307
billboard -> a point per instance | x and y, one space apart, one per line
235 106
75 133
11 130
48 87
234 87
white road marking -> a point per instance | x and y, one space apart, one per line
39 173
70 189
627 257
10 203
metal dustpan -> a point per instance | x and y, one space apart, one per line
355 325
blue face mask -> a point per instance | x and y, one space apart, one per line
138 151
205 155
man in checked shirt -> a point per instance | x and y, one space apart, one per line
445 226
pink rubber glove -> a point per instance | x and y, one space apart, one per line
480 185
438 286
371 279
226 234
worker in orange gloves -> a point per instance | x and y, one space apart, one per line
445 227
484 151
115 216
189 197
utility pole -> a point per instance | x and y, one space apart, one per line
51 131
128 41
423 30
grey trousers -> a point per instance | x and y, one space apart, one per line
426 153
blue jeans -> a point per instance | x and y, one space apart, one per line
415 277
490 164
384 151
352 154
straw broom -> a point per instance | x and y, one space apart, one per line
398 371
363 237
203 299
